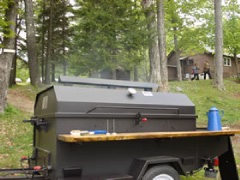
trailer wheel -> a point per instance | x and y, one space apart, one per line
162 172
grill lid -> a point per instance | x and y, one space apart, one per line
72 99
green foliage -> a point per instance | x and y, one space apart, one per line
108 34
22 71
186 21
61 37
232 27
3 7
3 23
5 29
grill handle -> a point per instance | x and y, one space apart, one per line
38 123
124 107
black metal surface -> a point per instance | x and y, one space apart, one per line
93 107
140 165
98 158
108 83
227 164
22 173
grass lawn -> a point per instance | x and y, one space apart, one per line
16 136
204 96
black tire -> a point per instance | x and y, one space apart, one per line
161 170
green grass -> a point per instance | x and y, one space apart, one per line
16 136
204 96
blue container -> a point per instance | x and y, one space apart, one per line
99 131
214 119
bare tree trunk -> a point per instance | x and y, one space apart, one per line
18 29
7 57
155 70
49 45
162 45
218 60
179 69
43 57
53 72
31 43
63 39
12 80
236 62
135 74
43 34
13 70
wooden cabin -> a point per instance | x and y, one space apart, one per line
229 65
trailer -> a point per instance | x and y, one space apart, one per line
98 133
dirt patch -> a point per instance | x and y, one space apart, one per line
19 100
237 95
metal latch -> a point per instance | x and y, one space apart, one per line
139 118
39 124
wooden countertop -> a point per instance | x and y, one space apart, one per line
143 135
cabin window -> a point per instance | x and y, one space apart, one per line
227 61
189 62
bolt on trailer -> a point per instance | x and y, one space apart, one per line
121 130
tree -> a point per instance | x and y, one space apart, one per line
162 45
49 43
3 23
184 35
231 30
31 43
155 70
6 58
64 34
108 34
53 37
19 43
176 24
218 59
41 30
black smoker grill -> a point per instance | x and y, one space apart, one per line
144 129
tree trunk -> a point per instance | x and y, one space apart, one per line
49 45
179 69
8 55
155 70
43 34
218 60
14 63
12 81
31 43
53 72
135 73
236 62
63 39
162 45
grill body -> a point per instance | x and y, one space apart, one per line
60 109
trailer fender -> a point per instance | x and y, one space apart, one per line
140 165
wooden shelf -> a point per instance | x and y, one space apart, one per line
143 135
